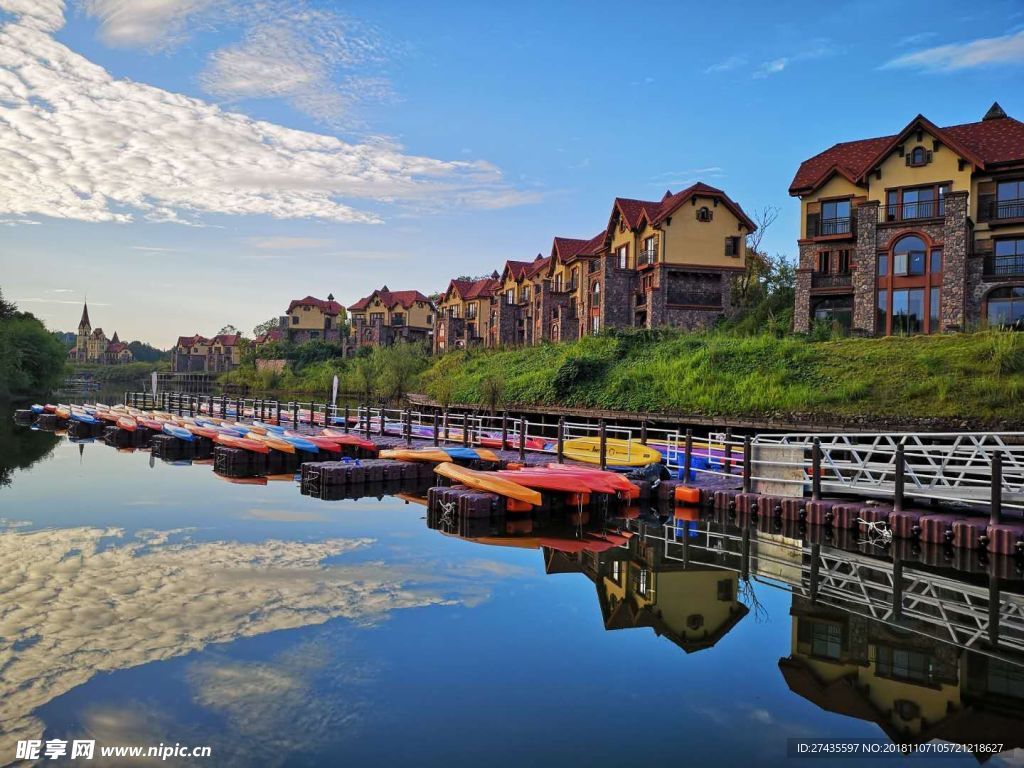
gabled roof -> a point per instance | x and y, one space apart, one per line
274 334
391 299
516 269
191 341
327 306
116 347
539 265
564 249
226 339
996 140
635 212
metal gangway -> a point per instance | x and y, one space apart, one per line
880 587
960 467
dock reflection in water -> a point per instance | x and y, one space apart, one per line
143 601
924 651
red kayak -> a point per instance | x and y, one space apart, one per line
617 481
323 443
532 443
342 438
156 426
548 481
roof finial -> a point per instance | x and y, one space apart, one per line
995 112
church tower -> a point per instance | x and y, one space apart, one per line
84 330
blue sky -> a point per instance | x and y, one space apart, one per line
218 157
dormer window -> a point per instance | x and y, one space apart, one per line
919 156
704 213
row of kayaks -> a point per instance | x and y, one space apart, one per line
526 484
256 436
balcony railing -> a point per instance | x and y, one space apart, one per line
925 209
1004 266
828 227
831 280
646 256
569 287
995 210
471 312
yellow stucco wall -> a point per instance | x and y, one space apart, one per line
679 594
309 318
700 243
837 186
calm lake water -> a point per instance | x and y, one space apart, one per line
144 603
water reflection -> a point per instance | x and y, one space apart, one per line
21 447
80 601
922 652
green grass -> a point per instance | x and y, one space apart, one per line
977 377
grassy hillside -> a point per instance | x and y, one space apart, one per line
977 377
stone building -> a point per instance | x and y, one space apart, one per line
386 317
921 231
93 346
464 313
313 319
199 354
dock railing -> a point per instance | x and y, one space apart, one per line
971 468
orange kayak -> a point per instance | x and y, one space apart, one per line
240 442
278 445
489 481
614 479
548 481
127 423
202 431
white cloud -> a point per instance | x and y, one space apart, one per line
44 15
288 243
77 143
1008 49
772 67
156 23
153 249
76 302
733 62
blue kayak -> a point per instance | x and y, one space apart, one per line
301 443
38 409
83 417
179 432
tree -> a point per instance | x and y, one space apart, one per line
7 308
227 330
362 378
745 287
398 366
493 387
31 359
265 326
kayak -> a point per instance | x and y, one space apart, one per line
38 408
179 432
614 479
619 453
240 442
127 423
299 442
488 481
202 431
547 481
83 417
512 441
318 443
153 424
277 444
438 455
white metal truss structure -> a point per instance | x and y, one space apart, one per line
906 598
954 466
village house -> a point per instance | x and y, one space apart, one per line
657 263
93 346
464 313
921 231
198 354
312 319
386 317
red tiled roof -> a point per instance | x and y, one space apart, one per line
226 339
564 249
191 341
117 347
634 212
594 244
391 298
274 334
538 266
328 307
516 268
988 142
483 288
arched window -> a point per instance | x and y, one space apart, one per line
704 213
908 256
1006 307
918 156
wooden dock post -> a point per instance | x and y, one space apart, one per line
561 440
445 423
126 397
295 414
408 427
436 424
747 468
602 433
504 430
522 438
312 413
899 480
996 510
688 455
367 425
815 571
465 429
643 432
345 427
897 585
994 602
381 421
277 405
816 469
728 450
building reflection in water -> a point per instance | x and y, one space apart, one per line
927 643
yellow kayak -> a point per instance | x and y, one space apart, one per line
436 455
488 481
618 453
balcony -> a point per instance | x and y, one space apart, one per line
641 300
832 227
569 287
925 209
1004 266
646 256
990 209
831 280
711 300
471 312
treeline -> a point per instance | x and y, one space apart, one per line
32 361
